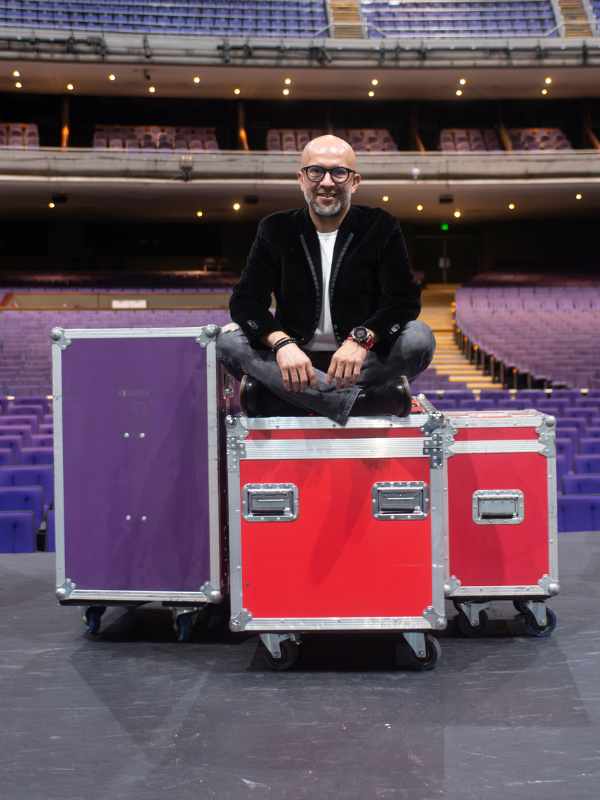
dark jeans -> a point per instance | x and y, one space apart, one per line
410 354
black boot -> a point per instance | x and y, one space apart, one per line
257 401
379 401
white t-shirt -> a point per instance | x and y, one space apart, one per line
324 338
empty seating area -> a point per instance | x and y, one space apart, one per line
368 141
152 138
472 140
294 18
469 18
536 139
516 326
19 136
287 140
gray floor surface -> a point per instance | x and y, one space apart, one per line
131 714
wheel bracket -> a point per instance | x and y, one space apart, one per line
472 611
538 609
416 642
272 641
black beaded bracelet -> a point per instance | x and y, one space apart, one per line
282 343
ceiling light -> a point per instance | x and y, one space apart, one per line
419 208
457 214
577 197
196 80
374 81
152 90
385 198
544 91
286 91
111 77
371 94
288 81
236 206
548 80
511 206
198 213
50 205
16 74
18 85
462 81
458 92
70 87
236 91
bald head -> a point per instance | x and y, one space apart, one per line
329 151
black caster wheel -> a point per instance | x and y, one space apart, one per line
520 606
94 618
289 656
465 627
214 614
433 650
533 627
184 627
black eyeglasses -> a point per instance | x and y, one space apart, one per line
338 174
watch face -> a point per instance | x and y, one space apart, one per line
360 334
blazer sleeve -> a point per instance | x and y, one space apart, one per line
400 301
251 299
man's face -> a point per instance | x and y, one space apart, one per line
327 198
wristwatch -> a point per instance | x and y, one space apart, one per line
362 336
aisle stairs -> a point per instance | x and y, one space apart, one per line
573 12
449 360
346 20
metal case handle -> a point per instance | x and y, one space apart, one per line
270 502
400 500
498 507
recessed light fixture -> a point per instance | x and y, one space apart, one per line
18 85
544 91
70 87
111 78
236 206
152 90
457 214
236 91
196 80
371 94
419 208
198 213
288 81
511 206
458 92
50 205
577 197
16 74
374 81
286 91
385 198
548 80
462 81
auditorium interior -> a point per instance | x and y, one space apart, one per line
141 143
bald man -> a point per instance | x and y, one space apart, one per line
345 339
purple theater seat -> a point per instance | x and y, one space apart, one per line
21 419
442 405
37 455
457 395
41 475
570 423
50 533
46 429
588 447
48 419
499 397
564 447
33 401
590 433
579 513
17 532
23 431
580 413
23 498
587 465
42 440
20 410
3 405
570 394
587 402
476 405
5 456
561 471
569 433
581 484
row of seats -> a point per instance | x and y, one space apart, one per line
152 138
368 140
474 140
537 139
287 140
19 136
26 499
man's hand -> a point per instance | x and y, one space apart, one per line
346 365
296 367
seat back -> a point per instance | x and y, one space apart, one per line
37 455
27 410
14 444
5 456
39 475
581 484
564 447
21 419
587 465
578 513
589 446
42 440
23 498
17 532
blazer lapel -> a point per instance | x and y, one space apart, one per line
312 250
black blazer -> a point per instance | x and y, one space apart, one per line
371 283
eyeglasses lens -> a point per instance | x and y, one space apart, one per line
338 174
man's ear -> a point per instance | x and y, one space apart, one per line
300 176
355 182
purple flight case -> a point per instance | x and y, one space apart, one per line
137 414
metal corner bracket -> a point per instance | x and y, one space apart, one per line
451 585
62 592
550 585
59 338
439 438
434 422
434 619
213 595
547 432
209 334
235 428
239 622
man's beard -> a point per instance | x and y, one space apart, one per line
332 211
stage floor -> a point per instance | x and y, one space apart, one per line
131 714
